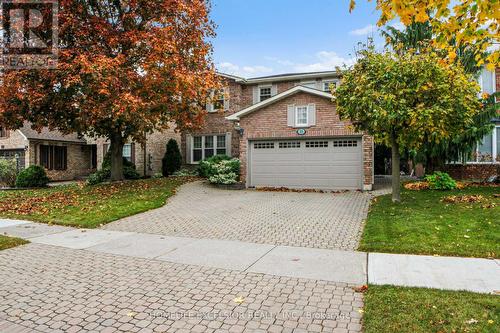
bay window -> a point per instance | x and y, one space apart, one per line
488 150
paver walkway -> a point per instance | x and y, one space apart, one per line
316 220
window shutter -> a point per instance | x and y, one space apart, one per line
105 148
319 85
291 115
255 94
228 144
189 145
226 98
274 90
311 114
132 152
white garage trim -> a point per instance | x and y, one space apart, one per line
330 163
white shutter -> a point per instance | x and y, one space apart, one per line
291 115
255 94
228 144
189 148
226 98
274 90
311 114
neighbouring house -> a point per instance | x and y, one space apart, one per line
69 157
286 132
485 162
64 157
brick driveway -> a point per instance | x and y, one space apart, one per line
51 289
316 220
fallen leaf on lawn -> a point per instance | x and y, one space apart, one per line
361 289
361 311
471 321
238 300
490 321
466 236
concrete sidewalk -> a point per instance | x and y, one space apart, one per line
478 275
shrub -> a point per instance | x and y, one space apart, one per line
441 181
224 179
8 172
172 160
33 176
186 172
99 177
157 175
225 172
206 167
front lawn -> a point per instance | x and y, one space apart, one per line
417 310
88 206
8 242
423 224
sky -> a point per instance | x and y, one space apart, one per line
259 37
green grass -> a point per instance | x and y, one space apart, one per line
88 206
8 242
417 310
423 224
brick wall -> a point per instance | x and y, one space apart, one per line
78 160
477 172
271 122
156 145
216 123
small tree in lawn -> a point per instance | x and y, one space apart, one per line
125 69
172 160
404 100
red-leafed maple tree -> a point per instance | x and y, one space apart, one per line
125 68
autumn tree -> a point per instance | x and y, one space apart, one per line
405 100
417 37
472 22
125 69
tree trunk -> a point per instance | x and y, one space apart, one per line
396 191
116 150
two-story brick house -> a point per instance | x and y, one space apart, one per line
286 132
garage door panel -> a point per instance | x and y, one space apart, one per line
322 164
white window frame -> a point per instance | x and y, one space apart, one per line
297 115
270 87
215 146
327 84
495 150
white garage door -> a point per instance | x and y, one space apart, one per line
306 163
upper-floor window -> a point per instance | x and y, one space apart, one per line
4 132
219 100
54 157
301 116
327 85
264 93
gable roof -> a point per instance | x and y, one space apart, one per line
278 97
283 77
46 134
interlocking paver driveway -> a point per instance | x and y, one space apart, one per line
317 220
50 289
